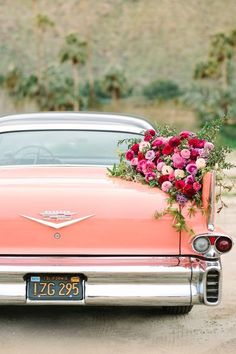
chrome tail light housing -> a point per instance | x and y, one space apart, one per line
212 245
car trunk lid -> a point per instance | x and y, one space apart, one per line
118 215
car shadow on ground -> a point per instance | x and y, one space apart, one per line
52 313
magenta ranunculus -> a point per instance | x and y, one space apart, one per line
178 161
189 180
150 176
172 177
150 155
158 142
140 165
197 186
194 153
186 134
185 153
129 155
149 166
174 141
134 161
191 168
166 186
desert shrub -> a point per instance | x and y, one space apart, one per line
162 90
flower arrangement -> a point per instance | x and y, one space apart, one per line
175 163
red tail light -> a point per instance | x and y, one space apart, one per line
223 244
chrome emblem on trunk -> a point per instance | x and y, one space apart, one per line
57 214
50 216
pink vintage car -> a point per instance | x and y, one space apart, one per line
72 235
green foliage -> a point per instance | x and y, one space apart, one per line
179 222
165 130
43 22
162 90
115 84
210 132
228 136
54 91
217 96
99 91
51 92
18 85
74 50
207 70
210 102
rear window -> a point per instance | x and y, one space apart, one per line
65 147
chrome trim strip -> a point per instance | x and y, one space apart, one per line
212 203
58 225
152 281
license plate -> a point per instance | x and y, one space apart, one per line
55 287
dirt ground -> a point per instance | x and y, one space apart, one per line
127 330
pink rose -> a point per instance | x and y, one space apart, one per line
150 155
172 177
166 186
204 153
185 153
150 176
140 165
148 167
178 161
208 146
160 165
134 161
197 186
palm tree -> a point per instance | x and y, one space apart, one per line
43 23
220 56
75 52
115 84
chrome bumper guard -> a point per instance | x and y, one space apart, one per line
151 281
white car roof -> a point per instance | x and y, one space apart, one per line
73 121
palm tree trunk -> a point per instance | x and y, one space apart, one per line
225 74
37 39
75 74
90 77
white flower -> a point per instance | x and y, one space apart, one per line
144 145
201 163
179 173
167 170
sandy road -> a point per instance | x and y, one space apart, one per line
127 330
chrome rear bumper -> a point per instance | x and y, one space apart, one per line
151 281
